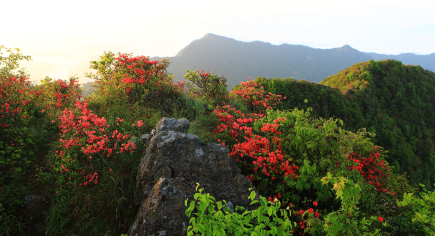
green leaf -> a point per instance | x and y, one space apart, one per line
253 202
202 206
247 219
273 231
252 195
201 228
188 212
278 220
259 217
264 202
220 205
205 199
211 209
261 209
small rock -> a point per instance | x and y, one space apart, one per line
32 199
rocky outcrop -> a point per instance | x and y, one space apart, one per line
36 211
173 163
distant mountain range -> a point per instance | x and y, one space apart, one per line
238 60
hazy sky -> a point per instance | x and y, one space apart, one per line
63 37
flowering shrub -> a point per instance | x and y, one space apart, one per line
53 96
255 98
129 80
286 153
24 132
373 169
89 154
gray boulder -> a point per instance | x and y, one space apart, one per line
173 163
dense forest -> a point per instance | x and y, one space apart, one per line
389 99
353 155
239 60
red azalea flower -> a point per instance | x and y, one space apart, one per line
315 203
380 219
316 214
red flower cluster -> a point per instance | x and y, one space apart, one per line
235 123
255 97
89 133
303 222
141 69
373 169
15 94
64 91
260 151
87 125
137 75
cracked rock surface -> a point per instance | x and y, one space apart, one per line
173 163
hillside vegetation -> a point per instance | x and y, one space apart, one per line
389 99
78 157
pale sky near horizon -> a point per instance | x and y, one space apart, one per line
63 37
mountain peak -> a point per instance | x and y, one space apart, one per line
207 39
214 36
209 35
346 47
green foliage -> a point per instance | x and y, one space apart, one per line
422 210
23 128
401 185
213 222
10 64
346 221
210 88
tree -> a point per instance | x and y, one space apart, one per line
210 88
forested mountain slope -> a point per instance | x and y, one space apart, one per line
392 100
239 60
